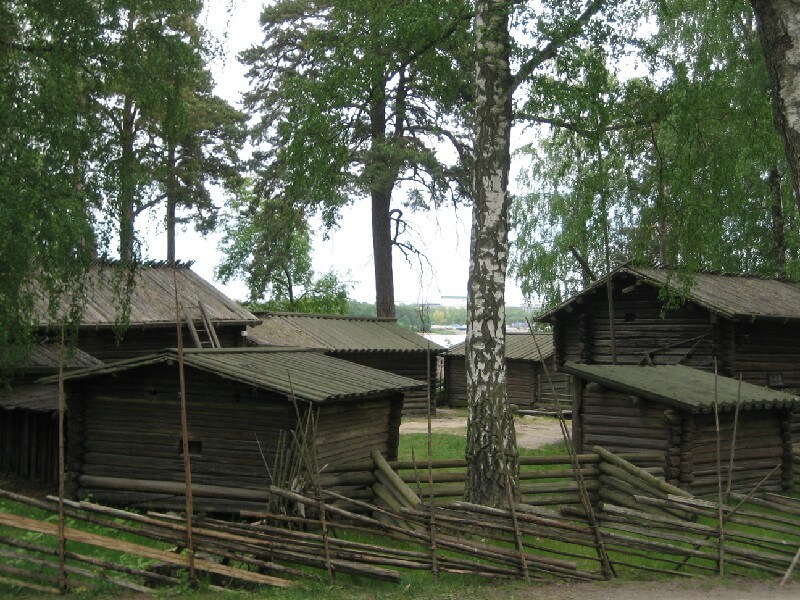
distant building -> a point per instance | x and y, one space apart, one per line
454 301
375 342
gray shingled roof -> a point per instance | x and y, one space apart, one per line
46 357
337 333
310 375
730 296
682 387
36 397
519 346
153 298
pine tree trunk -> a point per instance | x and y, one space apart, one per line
127 183
382 253
492 456
172 201
778 24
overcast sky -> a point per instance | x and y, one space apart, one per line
443 236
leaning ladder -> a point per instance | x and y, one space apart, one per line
204 336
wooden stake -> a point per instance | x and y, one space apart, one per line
431 493
62 543
187 466
583 493
733 440
791 568
721 540
517 537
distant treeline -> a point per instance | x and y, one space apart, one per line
421 318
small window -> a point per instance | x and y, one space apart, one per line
195 448
775 379
630 317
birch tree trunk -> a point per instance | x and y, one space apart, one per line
778 24
492 456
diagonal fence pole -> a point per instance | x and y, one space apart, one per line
583 493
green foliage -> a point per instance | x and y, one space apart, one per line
676 161
49 183
103 106
267 242
410 316
352 97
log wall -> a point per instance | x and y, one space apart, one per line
623 423
455 381
528 386
407 364
128 427
685 335
29 445
618 422
139 341
762 442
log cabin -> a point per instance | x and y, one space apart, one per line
29 415
124 427
671 409
374 342
528 384
210 319
746 326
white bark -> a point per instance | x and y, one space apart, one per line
491 441
779 30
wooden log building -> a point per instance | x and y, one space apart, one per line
379 343
748 326
528 385
124 433
670 409
29 415
210 319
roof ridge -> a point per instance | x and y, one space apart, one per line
152 264
325 316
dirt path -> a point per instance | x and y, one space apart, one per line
706 588
532 432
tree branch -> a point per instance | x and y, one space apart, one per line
27 47
549 51
569 126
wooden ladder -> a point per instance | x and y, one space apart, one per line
204 336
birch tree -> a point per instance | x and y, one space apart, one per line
492 455
778 24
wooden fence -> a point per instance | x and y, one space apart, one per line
544 480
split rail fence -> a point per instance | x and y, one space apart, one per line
645 524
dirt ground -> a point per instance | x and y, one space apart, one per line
684 589
532 432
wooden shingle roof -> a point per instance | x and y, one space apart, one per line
35 397
731 296
682 387
152 300
309 375
519 346
46 357
337 333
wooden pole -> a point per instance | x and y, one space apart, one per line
733 440
721 540
523 563
583 493
791 568
431 494
62 541
187 465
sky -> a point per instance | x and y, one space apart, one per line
443 236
